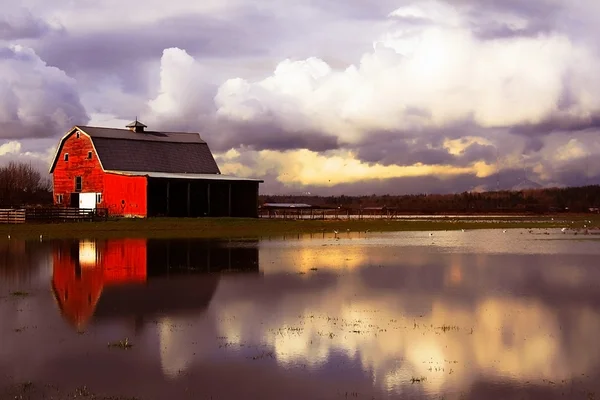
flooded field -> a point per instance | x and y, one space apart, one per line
480 314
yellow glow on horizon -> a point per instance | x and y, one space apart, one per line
305 167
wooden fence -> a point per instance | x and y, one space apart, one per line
51 215
65 214
12 216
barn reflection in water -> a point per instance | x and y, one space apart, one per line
141 279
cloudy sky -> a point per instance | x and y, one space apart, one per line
332 96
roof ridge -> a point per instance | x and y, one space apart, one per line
124 129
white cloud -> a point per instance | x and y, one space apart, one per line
39 155
429 68
12 147
445 71
184 93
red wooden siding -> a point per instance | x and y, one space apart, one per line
121 195
125 195
65 172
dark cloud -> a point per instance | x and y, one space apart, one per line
423 146
398 151
268 136
538 10
503 30
559 123
478 152
35 100
22 25
125 51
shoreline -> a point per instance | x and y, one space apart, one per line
264 227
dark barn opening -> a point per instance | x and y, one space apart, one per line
202 198
185 256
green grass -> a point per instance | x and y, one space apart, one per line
239 228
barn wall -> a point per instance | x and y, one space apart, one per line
65 172
125 195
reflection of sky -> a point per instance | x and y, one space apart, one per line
471 307
389 318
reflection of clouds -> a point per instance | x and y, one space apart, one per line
522 337
175 353
501 323
500 337
306 255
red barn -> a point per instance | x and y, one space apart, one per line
137 173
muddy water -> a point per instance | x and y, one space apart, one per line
456 315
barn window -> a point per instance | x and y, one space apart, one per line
78 184
98 198
59 198
66 156
89 155
77 134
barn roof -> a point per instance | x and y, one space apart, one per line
167 152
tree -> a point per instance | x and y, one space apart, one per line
22 184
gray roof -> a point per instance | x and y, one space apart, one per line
146 136
170 152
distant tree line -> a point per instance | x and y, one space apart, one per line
21 184
572 199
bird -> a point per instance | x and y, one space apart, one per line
463 230
430 234
563 230
40 238
8 237
504 231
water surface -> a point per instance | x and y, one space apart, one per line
456 315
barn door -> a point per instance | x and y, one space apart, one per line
87 201
74 202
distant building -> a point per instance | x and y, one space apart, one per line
137 173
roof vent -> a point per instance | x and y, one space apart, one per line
136 126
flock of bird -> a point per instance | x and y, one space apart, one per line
336 232
563 230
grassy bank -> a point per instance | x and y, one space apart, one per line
231 227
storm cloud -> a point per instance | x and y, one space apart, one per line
36 100
342 96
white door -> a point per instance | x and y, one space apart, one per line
87 201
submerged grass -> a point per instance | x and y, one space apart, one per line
241 227
121 344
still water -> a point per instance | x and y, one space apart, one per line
458 315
